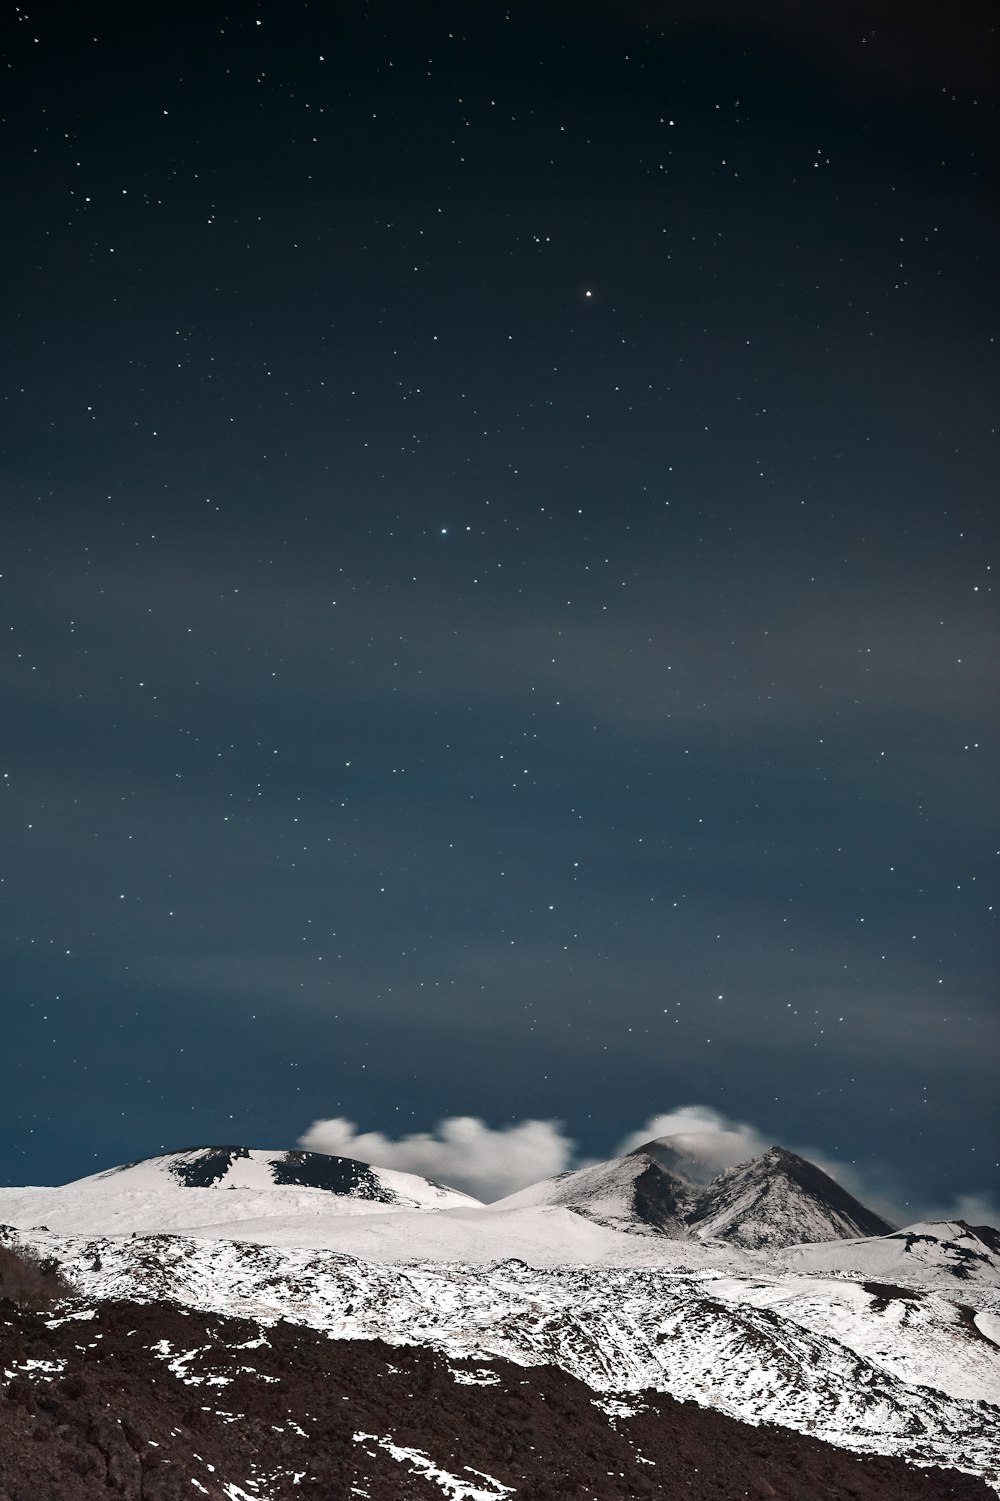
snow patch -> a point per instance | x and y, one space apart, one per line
988 1324
482 1376
38 1370
453 1487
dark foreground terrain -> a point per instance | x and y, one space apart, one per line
149 1402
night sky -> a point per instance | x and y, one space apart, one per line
498 508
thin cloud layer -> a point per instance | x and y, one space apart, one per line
707 1135
973 1208
462 1152
465 1153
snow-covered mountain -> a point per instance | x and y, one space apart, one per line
872 1368
652 1206
778 1199
221 1187
388 1217
948 1254
759 1291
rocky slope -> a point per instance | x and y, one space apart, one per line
152 1402
876 1369
756 1290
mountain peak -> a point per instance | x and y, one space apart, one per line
782 1199
673 1186
253 1168
232 1186
697 1156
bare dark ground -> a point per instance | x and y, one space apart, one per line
110 1418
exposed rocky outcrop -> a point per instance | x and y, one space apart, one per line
150 1402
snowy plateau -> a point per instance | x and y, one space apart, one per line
763 1293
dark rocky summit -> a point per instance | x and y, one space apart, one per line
204 1167
150 1402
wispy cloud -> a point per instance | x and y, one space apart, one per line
707 1135
466 1153
461 1151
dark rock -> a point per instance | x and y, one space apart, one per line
133 1428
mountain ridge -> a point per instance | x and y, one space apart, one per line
210 1166
662 1190
223 1186
773 1200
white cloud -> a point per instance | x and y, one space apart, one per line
704 1134
977 1209
462 1152
973 1208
